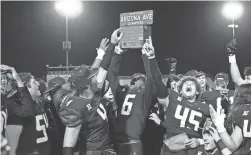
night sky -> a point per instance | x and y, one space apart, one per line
194 32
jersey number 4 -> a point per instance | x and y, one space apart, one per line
183 118
42 127
127 106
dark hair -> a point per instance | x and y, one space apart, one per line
189 78
242 97
137 76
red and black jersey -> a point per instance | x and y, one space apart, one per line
216 99
33 138
242 119
181 116
94 134
133 108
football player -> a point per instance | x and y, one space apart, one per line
184 115
28 135
11 85
205 82
221 98
235 73
133 105
239 115
85 116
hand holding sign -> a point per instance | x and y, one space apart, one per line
116 36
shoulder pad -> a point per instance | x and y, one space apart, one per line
73 110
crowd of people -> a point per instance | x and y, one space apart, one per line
91 113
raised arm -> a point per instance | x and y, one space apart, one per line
114 72
101 52
234 141
162 92
172 62
101 76
23 106
235 73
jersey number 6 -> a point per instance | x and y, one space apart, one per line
127 106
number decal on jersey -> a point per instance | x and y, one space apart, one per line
218 103
183 118
4 121
127 106
42 127
219 107
246 133
102 112
231 99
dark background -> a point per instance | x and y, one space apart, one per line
194 32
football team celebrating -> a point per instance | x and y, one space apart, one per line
91 113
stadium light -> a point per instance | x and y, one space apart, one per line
232 11
68 9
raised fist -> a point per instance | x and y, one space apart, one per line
116 36
231 46
171 60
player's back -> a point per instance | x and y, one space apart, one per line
34 138
94 134
182 116
131 115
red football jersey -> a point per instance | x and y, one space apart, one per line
242 118
182 116
34 136
131 115
214 98
94 134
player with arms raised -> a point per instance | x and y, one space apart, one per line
28 135
184 115
133 105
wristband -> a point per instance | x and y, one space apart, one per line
232 59
101 54
151 57
68 151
